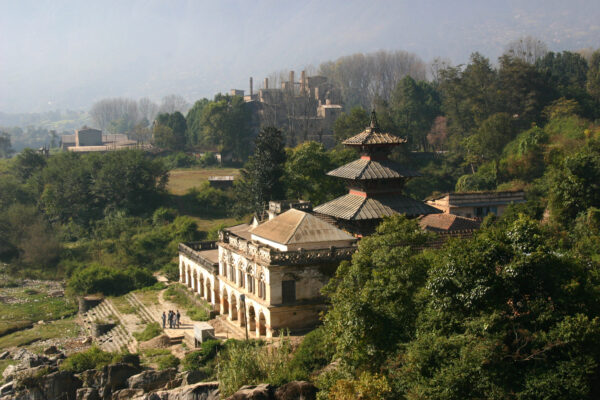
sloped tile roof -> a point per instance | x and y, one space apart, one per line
355 207
371 136
297 227
448 223
369 169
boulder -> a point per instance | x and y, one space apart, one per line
114 377
9 372
60 385
4 355
51 350
31 377
87 394
91 378
199 391
21 353
297 390
159 342
6 389
263 391
151 380
191 377
126 394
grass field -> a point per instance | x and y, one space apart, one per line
21 306
64 328
181 180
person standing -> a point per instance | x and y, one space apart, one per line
177 317
170 319
164 319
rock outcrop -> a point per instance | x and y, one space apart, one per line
151 380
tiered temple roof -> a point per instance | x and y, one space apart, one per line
375 184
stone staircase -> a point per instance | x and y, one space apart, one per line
147 316
141 310
117 338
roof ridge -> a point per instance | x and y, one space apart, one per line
362 171
295 229
362 204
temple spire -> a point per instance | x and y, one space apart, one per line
374 124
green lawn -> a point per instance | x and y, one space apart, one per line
63 328
181 180
20 307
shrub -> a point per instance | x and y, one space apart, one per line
244 363
109 281
168 361
92 358
171 271
195 360
314 353
163 216
151 330
197 314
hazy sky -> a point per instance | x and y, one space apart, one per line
68 54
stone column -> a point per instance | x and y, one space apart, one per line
240 316
222 304
198 285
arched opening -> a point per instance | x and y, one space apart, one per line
225 308
189 276
201 285
262 324
208 290
194 280
233 315
251 319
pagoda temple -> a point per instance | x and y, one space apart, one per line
375 185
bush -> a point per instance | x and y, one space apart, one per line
92 358
171 271
197 314
251 363
109 281
196 360
163 216
151 330
314 353
168 361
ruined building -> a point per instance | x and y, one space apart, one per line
304 110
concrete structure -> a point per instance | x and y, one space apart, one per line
476 204
88 140
88 137
268 276
221 182
375 185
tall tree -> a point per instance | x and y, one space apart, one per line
172 138
593 76
262 175
528 49
351 123
414 106
6 149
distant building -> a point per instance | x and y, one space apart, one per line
304 110
476 204
87 140
221 182
268 276
88 137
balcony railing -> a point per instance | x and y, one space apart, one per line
271 256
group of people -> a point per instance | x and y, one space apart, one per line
173 319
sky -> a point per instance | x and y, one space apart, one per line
69 54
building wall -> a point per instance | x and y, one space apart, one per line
88 137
